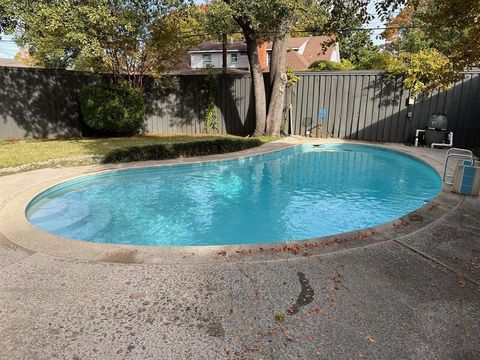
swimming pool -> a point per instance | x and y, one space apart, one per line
298 193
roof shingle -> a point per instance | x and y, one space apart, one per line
218 46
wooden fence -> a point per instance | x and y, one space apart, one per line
363 106
354 105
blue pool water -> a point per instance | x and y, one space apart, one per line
297 193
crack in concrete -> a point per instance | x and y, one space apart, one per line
438 262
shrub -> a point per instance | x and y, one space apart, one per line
211 119
331 65
423 71
375 61
112 109
175 150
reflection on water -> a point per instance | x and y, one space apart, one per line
297 193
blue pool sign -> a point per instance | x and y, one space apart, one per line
323 113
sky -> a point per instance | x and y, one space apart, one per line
8 48
376 22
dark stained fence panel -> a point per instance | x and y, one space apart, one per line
362 105
358 105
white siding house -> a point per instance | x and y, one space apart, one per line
302 52
214 58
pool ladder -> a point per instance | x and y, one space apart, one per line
459 154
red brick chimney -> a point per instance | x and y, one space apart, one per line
262 55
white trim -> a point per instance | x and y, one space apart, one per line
336 53
213 51
290 49
302 47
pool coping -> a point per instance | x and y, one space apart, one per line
17 230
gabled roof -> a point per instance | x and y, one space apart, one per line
218 46
315 48
319 48
293 42
296 61
303 51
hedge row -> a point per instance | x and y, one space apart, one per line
176 150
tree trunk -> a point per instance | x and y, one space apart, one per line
258 86
278 83
256 72
278 78
224 53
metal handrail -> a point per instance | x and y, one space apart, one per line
459 154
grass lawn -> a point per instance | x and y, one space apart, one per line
21 152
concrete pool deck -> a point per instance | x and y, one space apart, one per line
409 289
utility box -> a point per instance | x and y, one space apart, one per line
436 131
434 136
466 178
437 122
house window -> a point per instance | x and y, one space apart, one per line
269 58
207 60
234 58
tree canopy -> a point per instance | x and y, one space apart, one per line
274 20
126 38
427 48
454 26
6 20
430 42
